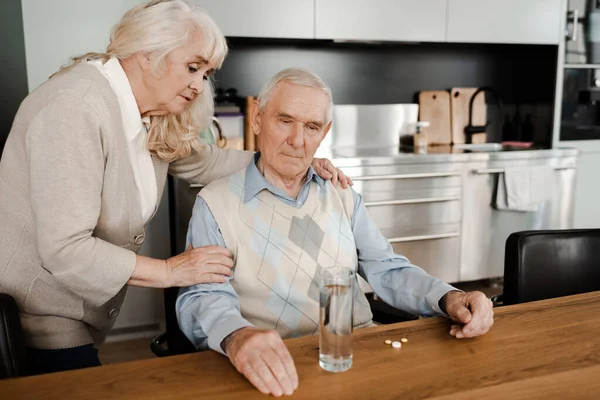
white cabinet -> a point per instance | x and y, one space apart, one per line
587 191
504 21
293 19
385 20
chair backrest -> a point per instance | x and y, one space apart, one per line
545 264
12 348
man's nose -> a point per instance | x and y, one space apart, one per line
296 139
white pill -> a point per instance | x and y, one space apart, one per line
396 345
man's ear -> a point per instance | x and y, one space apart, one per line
327 129
255 118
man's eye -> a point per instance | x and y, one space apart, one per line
286 121
313 128
192 70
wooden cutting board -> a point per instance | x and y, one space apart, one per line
249 136
434 106
459 107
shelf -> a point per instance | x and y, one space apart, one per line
582 66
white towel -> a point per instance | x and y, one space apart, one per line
524 188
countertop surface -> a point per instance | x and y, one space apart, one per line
347 156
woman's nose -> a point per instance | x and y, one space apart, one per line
197 86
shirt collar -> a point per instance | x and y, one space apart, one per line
256 182
133 123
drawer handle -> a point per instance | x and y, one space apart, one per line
196 186
423 237
406 176
501 170
411 201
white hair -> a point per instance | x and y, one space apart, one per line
298 76
158 28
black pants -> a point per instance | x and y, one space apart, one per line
45 361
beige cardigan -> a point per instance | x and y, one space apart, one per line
70 223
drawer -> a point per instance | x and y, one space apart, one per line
415 215
438 255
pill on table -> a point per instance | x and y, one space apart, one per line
396 345
404 340
388 341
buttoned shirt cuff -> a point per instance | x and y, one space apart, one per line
435 295
224 329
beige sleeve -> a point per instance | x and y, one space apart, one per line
209 163
66 161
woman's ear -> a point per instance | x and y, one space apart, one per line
144 60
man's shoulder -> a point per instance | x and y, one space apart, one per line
232 184
347 196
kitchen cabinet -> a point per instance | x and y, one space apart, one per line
385 20
506 21
485 229
292 19
417 207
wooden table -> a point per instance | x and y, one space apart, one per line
543 350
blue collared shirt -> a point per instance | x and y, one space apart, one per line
208 313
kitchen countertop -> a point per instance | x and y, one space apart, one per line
351 156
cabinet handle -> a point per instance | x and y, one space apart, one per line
196 186
406 176
575 14
411 201
501 170
423 237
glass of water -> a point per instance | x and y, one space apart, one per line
336 286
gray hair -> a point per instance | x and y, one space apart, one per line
158 27
298 76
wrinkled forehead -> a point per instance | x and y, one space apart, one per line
302 102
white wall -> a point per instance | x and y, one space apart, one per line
56 30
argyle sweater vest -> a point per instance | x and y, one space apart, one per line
279 250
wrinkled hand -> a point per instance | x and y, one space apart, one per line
208 264
326 170
473 311
262 357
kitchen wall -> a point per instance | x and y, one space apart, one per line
56 30
395 73
13 72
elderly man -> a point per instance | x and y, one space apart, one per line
283 223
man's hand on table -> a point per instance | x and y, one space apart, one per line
262 357
473 312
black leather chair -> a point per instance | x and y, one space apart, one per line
172 341
12 347
553 263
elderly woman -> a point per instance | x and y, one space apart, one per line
84 168
283 224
